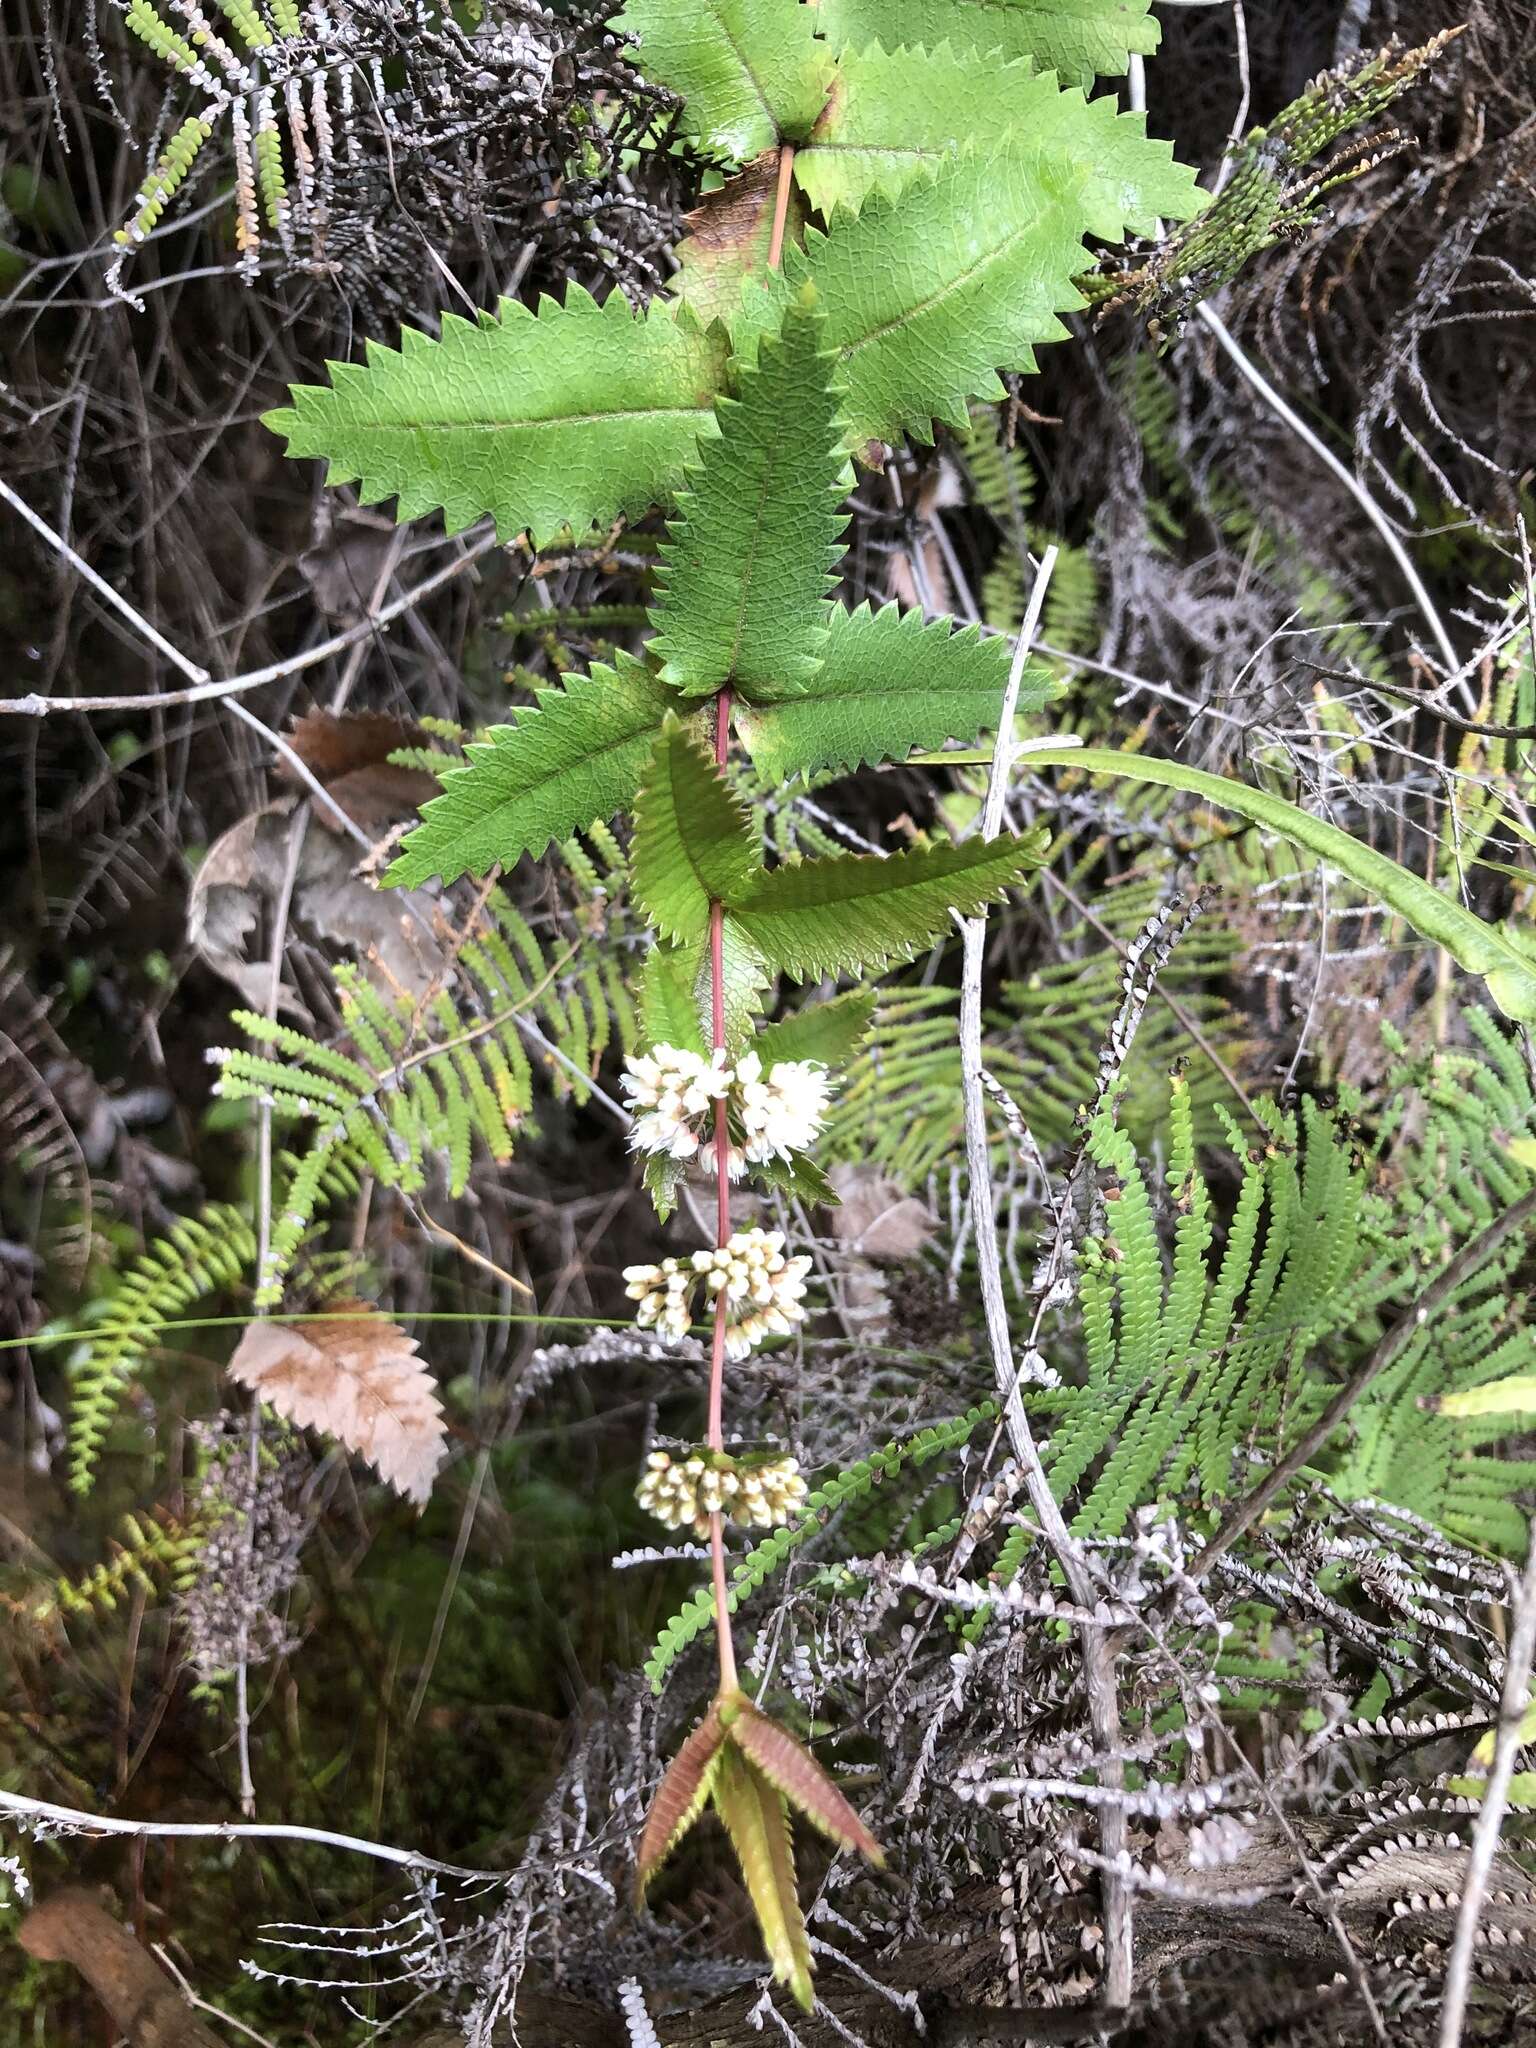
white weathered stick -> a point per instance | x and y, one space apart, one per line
201 687
1485 1836
72 1818
1098 1662
1391 539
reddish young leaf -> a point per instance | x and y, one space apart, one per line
757 1821
680 1797
794 1772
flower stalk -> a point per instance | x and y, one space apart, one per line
715 1422
739 1761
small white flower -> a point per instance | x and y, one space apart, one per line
782 1113
685 1493
672 1093
664 1295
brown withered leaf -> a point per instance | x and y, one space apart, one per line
795 1773
343 568
331 743
359 1380
349 752
877 1219
681 1796
234 903
377 797
728 236
229 901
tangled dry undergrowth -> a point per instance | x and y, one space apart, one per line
1302 1880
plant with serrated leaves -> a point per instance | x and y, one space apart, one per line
955 167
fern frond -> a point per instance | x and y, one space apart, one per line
423 1084
201 1255
1193 1367
154 1552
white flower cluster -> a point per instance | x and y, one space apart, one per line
665 1297
782 1112
768 1115
685 1492
764 1291
672 1093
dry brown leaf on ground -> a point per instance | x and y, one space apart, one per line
235 896
349 753
358 1379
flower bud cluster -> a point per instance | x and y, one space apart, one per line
664 1295
769 1115
764 1291
684 1492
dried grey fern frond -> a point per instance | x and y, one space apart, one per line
358 127
233 1606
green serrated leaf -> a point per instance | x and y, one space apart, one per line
893 112
693 843
575 757
1081 39
744 978
928 295
669 1012
757 1821
889 681
747 562
571 417
852 911
828 1032
798 1177
750 72
1504 956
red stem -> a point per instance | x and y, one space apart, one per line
716 1430
715 1436
780 205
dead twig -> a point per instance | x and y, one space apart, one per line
145 2006
1485 1836
1098 1660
